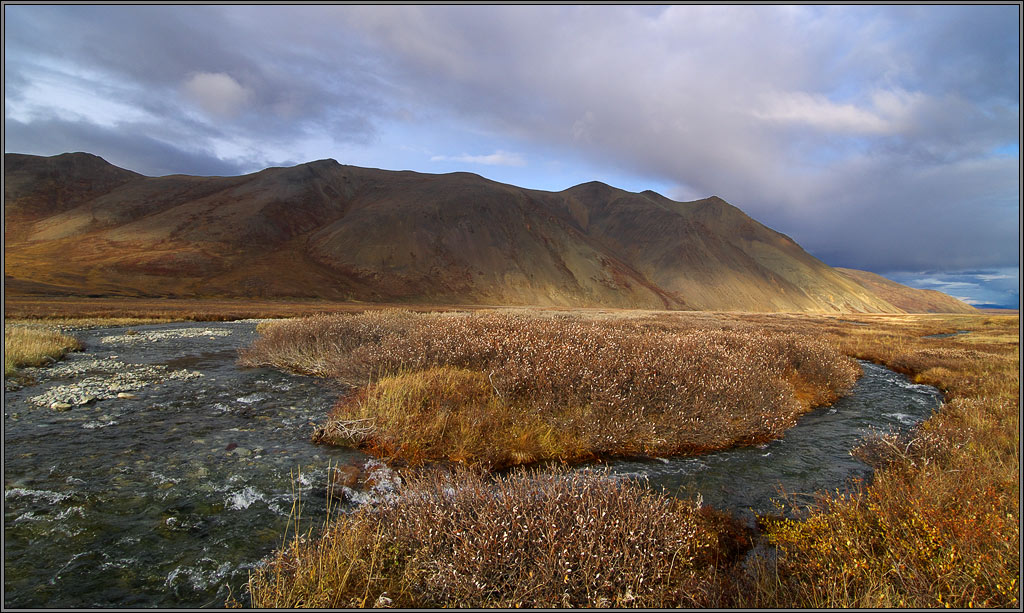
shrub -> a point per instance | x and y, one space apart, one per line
526 539
557 387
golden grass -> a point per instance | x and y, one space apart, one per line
939 525
34 346
446 413
175 309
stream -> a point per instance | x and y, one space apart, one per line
151 471
813 456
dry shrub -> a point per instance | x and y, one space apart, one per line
563 387
320 344
914 538
937 526
562 539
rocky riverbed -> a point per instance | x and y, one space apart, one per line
150 470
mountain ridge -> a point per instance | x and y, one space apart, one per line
328 230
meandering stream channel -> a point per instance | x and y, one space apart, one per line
151 471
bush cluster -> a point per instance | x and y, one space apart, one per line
938 525
526 539
554 387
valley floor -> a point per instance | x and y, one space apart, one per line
937 526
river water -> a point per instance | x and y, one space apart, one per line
813 456
169 494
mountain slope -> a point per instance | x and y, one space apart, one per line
908 299
76 224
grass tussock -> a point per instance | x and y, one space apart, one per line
450 413
499 389
34 346
562 539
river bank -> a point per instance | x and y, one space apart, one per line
177 492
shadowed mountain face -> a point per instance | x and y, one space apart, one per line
78 225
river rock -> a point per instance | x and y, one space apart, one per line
242 451
60 406
85 399
345 476
126 395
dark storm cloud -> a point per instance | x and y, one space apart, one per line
867 134
209 74
124 147
902 217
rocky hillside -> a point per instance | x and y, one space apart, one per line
78 225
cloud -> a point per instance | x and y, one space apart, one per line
165 62
498 158
866 133
582 126
857 140
217 93
817 111
994 276
126 146
995 287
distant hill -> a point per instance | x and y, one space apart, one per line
78 225
906 298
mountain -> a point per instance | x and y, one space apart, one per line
75 224
906 298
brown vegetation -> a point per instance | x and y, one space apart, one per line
938 525
34 346
499 389
68 310
562 539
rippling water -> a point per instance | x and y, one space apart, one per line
813 456
168 499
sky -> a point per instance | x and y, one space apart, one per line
884 138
